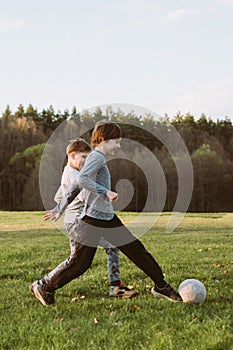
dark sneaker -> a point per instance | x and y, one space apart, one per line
122 292
166 292
45 298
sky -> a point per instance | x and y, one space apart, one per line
167 56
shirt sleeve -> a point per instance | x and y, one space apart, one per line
67 197
93 163
70 188
58 195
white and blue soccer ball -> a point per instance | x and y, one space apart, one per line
192 291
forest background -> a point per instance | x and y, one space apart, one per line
24 133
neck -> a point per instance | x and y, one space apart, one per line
72 166
100 148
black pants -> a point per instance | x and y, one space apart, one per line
91 230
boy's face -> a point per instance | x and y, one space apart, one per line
77 159
111 146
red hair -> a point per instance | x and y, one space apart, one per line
105 130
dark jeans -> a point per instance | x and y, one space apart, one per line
91 230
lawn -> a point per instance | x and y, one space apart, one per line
85 318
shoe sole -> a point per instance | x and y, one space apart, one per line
38 296
31 288
125 296
157 294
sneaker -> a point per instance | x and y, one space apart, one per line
45 298
122 292
32 286
166 292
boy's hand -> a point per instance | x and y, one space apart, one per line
112 196
52 215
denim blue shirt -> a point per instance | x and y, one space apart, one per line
95 179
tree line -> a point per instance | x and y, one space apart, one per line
26 133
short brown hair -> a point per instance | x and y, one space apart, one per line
105 130
78 145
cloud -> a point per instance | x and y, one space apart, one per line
73 48
134 7
125 25
181 14
110 30
225 2
212 98
8 24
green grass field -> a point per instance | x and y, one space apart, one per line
85 318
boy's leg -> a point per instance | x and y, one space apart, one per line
71 229
117 289
116 233
74 267
113 258
138 254
113 266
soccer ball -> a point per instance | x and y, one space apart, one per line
192 291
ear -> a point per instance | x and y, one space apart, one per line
72 155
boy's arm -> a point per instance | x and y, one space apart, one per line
89 170
69 195
58 195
